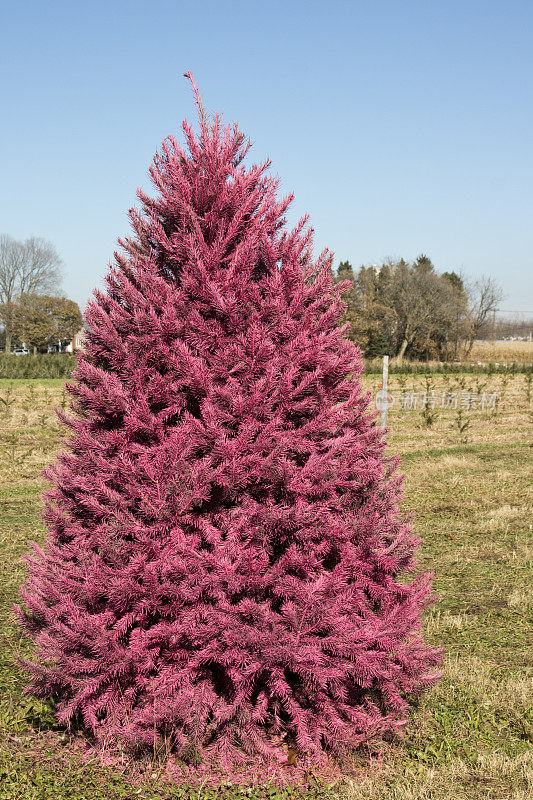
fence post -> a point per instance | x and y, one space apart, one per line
385 404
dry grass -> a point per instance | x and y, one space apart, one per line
471 494
501 352
493 776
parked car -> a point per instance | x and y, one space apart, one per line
21 351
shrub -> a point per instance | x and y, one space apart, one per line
49 365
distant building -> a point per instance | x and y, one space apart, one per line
77 342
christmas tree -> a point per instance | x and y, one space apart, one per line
222 570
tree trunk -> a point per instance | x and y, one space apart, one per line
34 351
8 324
402 350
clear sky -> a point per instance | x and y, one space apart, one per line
402 127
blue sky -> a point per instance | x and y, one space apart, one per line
401 127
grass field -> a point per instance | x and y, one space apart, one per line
501 351
469 485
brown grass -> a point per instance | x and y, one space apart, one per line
501 352
471 494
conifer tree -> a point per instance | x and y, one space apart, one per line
225 549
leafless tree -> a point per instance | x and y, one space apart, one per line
417 295
29 267
484 296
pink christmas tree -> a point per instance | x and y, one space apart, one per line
225 543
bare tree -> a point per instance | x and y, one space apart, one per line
484 296
416 296
11 261
455 318
30 267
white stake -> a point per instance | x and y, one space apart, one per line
385 404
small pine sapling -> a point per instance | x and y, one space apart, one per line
462 423
7 401
429 412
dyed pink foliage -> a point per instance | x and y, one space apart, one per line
224 535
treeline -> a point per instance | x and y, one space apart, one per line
512 328
409 310
31 311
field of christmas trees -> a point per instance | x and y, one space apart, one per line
470 492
